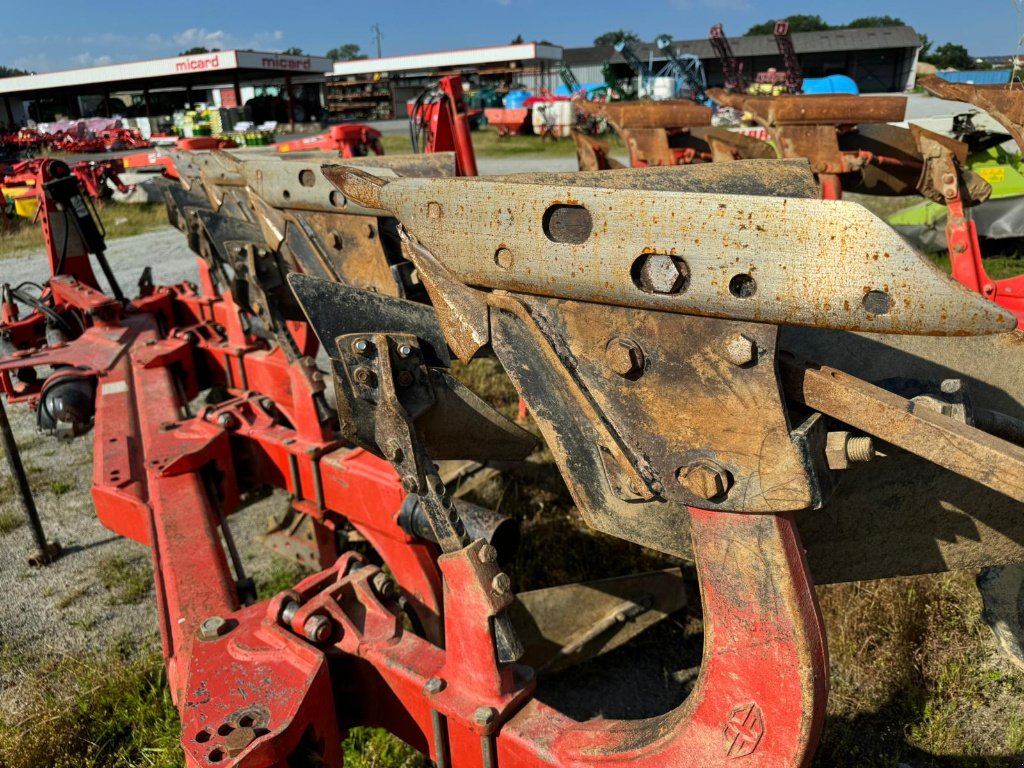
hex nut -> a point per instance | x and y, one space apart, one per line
662 273
484 715
488 554
704 479
383 585
842 449
212 628
740 349
317 629
434 686
624 357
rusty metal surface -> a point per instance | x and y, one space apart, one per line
723 98
961 448
591 154
648 146
825 109
878 524
674 113
818 143
944 174
786 261
891 141
571 623
726 145
1004 102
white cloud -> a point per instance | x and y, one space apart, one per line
88 60
201 37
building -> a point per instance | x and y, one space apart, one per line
380 88
159 86
878 59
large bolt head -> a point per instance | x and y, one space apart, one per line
317 629
484 715
434 685
501 584
488 554
661 273
704 480
383 585
740 349
624 357
212 628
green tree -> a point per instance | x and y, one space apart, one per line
611 38
926 47
12 71
293 52
346 52
518 39
876 21
952 56
797 23
198 49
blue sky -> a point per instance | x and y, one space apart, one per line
73 34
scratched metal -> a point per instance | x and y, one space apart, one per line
806 262
673 113
826 109
1004 103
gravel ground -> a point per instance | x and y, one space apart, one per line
100 591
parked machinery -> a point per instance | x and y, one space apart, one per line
724 368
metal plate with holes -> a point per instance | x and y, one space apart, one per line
786 261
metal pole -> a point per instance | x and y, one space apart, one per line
46 553
291 103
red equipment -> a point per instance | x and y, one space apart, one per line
732 69
439 115
350 140
794 78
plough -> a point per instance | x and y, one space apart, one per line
725 368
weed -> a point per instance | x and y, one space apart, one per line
127 579
59 487
10 522
282 574
376 748
110 709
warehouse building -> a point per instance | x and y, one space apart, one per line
380 88
227 79
879 60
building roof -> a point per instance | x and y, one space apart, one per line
859 39
219 66
460 58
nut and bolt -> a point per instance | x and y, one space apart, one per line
267 404
488 554
951 386
212 628
434 686
740 349
624 357
317 628
405 378
227 421
404 350
501 584
484 715
843 449
383 586
704 479
361 347
661 273
363 375
503 258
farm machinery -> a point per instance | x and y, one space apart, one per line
724 368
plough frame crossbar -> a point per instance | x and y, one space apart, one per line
650 376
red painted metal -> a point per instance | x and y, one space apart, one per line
445 120
350 140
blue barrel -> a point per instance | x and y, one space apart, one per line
515 99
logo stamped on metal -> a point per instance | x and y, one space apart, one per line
743 730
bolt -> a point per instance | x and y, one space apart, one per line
404 350
860 449
488 554
191 337
317 628
951 386
842 449
704 479
363 375
661 273
624 357
212 628
503 258
361 347
383 585
405 378
267 404
288 611
948 178
501 583
740 349
434 686
227 421
484 715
